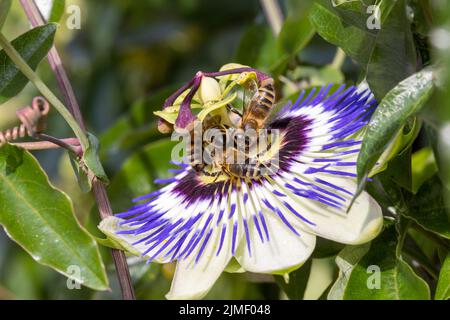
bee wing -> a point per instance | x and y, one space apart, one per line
248 93
274 111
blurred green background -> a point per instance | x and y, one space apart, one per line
125 60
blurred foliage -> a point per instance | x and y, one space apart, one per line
130 55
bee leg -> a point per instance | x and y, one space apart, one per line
234 110
216 177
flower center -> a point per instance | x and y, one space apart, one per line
269 154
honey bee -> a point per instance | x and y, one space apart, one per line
255 116
251 164
254 161
198 145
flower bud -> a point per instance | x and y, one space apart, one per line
209 90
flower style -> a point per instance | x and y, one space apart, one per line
268 224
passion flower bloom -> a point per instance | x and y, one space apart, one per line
268 224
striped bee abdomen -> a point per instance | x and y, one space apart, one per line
260 105
246 170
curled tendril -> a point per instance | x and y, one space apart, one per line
32 120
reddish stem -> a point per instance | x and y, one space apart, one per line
99 190
171 99
43 145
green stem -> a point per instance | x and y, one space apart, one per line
23 66
339 59
402 233
423 261
274 15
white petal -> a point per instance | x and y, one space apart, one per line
193 280
110 226
361 224
284 252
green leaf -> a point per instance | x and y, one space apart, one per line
399 145
33 47
440 143
386 191
429 208
346 262
425 242
5 5
358 280
344 26
92 160
402 102
443 286
40 219
390 195
296 31
386 54
423 167
400 169
57 10
295 284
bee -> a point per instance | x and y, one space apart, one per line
197 145
255 159
253 162
255 116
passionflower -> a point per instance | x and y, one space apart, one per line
267 223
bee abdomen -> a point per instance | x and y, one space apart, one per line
266 97
245 170
261 104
